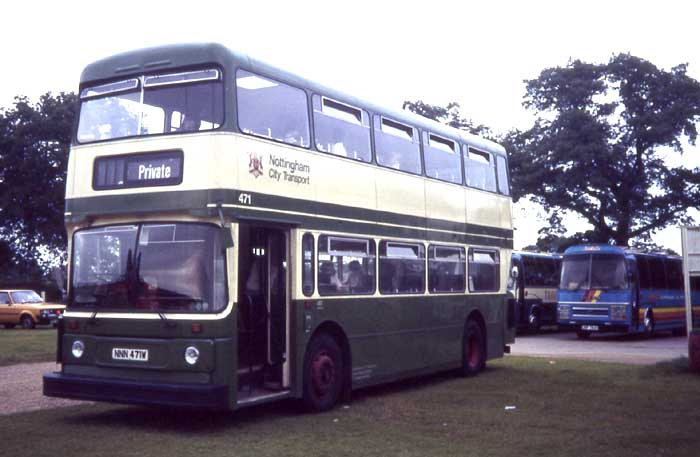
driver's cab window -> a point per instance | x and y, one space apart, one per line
4 298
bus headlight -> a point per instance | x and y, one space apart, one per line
618 312
78 349
564 312
191 355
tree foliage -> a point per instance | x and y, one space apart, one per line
595 149
34 145
448 115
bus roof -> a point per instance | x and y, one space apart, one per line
607 249
536 254
158 59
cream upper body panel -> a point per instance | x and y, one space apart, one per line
226 160
484 208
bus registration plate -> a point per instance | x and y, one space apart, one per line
137 355
590 328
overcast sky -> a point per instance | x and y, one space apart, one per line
475 53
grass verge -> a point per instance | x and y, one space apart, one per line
560 408
24 346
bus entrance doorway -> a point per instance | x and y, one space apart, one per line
262 314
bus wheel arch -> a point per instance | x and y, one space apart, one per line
474 345
327 338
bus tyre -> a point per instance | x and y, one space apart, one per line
533 322
323 374
583 334
27 322
473 349
648 323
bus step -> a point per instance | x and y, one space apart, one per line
258 394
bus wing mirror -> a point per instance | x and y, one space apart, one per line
226 237
514 273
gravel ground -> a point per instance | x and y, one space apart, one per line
21 390
636 350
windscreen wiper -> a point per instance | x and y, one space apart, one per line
93 318
168 322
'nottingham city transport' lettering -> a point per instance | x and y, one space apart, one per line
149 172
290 171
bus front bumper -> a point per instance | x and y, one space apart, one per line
134 392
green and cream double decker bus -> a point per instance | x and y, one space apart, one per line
239 235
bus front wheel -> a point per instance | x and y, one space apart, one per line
473 349
323 374
648 323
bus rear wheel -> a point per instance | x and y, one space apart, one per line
323 374
473 349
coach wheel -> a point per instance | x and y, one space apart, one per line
323 374
473 349
27 322
583 334
648 323
533 321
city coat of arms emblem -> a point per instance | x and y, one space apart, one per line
255 166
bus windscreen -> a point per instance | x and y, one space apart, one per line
594 271
177 103
149 267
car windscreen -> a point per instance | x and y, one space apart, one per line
26 296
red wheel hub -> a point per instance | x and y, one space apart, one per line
473 351
322 373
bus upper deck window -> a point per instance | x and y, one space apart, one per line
151 105
341 129
271 109
442 158
502 169
480 169
397 145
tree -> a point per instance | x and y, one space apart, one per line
449 115
34 145
595 147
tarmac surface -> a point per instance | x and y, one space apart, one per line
632 349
